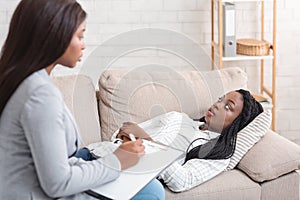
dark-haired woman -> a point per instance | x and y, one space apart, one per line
208 149
38 135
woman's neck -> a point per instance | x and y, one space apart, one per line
205 127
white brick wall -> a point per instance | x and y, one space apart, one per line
108 18
288 87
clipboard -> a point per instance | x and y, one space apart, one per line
135 178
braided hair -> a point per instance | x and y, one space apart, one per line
223 146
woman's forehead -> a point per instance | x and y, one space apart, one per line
234 95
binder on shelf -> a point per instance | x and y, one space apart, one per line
229 30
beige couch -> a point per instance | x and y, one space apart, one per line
269 171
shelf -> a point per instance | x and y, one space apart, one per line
264 101
218 56
242 57
239 57
233 1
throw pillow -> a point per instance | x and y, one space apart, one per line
270 158
248 136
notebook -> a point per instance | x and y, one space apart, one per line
133 179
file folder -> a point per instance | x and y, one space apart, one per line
229 30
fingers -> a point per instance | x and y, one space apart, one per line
129 153
140 146
134 147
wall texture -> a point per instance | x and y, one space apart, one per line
108 19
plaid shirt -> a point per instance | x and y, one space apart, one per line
179 131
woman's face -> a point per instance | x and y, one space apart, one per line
223 112
73 53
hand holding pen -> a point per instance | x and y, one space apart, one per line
130 152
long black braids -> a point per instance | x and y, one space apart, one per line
223 146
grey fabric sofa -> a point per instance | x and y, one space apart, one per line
269 171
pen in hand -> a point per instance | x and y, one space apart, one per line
132 137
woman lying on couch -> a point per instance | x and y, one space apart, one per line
209 146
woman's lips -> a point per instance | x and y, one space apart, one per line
210 112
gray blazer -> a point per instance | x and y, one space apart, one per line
38 136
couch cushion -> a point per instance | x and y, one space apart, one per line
270 158
250 135
229 185
138 95
80 97
283 187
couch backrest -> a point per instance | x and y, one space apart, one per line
80 97
138 95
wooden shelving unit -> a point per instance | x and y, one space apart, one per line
217 50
